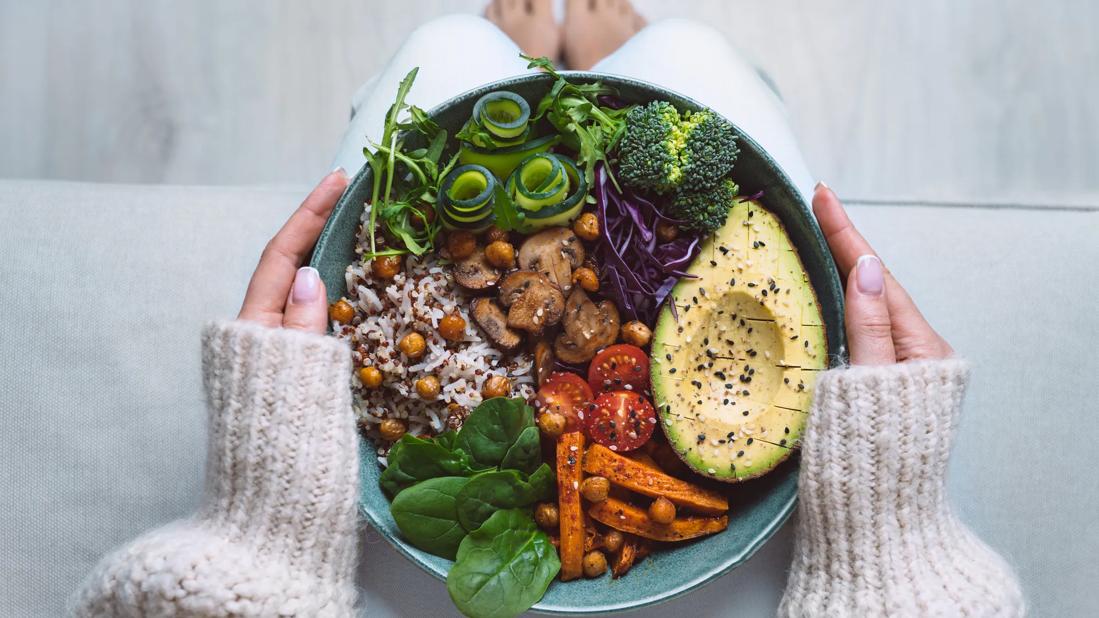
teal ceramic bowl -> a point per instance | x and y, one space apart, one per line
758 508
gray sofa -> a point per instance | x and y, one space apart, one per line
105 288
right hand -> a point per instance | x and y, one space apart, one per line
883 324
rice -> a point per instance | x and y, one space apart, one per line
415 300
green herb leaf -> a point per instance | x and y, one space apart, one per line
489 492
507 215
493 428
427 515
503 567
412 460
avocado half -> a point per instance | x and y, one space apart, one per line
733 369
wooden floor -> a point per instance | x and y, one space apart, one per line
989 101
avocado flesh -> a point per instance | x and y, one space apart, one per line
733 377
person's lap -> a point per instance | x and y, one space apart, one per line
701 64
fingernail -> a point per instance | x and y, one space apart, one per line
821 185
869 275
307 285
339 170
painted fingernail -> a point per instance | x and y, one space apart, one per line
869 275
307 285
339 170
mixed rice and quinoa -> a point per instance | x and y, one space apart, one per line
386 310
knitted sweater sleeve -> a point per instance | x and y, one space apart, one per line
276 532
875 534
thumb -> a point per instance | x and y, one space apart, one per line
869 330
307 307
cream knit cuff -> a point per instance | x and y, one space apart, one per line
276 534
875 535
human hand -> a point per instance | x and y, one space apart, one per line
283 293
883 324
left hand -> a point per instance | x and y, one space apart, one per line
283 293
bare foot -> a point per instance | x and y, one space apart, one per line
595 28
530 24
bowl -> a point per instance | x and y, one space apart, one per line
758 507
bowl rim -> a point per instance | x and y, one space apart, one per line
727 563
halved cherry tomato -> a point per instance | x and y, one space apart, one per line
619 367
620 420
567 394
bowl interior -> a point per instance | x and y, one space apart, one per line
758 508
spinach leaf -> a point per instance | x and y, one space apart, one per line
412 460
525 453
489 492
503 567
427 516
493 428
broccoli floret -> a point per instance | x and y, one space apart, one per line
662 150
649 151
710 149
705 210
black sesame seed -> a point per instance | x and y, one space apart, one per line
749 440
672 370
740 453
745 413
782 442
786 430
713 263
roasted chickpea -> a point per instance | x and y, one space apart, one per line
428 213
662 511
412 345
547 516
595 564
595 488
460 244
370 377
586 226
496 386
666 232
500 253
636 333
392 429
586 279
452 327
493 233
386 266
613 540
428 387
341 311
552 423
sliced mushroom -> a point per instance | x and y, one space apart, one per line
554 253
543 360
475 272
490 317
533 302
588 327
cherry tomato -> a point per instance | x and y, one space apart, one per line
567 394
617 367
620 420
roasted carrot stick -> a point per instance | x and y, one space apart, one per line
629 518
570 450
636 476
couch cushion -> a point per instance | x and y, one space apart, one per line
101 412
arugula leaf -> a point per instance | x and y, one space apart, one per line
507 215
427 515
492 491
494 428
503 567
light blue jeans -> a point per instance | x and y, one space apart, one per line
678 54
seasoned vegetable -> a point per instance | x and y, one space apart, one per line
662 511
503 567
566 394
629 518
503 161
628 556
620 420
638 477
617 367
570 449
